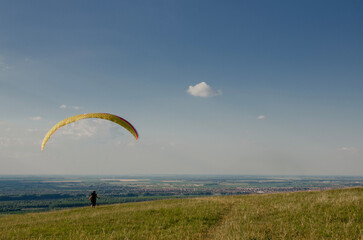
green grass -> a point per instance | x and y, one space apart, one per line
336 214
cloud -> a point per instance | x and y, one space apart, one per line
85 128
33 130
91 128
37 118
203 90
261 117
63 106
9 141
347 149
3 65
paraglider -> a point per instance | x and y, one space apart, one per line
107 116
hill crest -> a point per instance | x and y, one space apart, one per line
333 214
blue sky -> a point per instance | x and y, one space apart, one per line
282 84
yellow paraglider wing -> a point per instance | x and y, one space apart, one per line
106 116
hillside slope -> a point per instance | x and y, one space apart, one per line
336 214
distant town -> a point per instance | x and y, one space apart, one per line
21 194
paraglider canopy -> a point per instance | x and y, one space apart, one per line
107 116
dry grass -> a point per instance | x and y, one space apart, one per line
168 219
334 214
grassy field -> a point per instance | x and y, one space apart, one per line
336 214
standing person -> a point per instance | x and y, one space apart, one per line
93 199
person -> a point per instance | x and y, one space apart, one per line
93 199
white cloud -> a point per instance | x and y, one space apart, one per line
84 128
261 117
129 144
63 106
32 130
10 141
203 90
347 149
3 65
90 128
37 118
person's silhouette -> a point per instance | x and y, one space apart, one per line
93 197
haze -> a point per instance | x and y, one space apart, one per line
213 87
